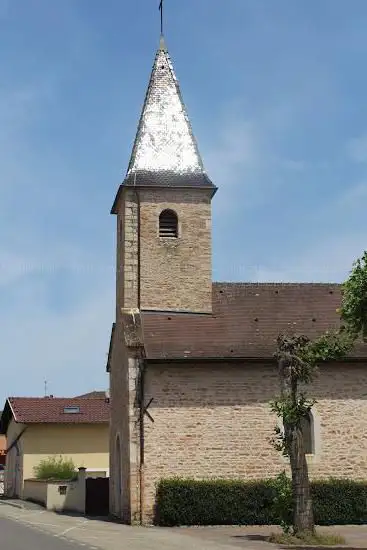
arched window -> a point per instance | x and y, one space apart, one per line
168 224
307 431
310 426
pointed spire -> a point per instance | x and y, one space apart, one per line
162 44
164 143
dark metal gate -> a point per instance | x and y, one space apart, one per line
1 482
97 496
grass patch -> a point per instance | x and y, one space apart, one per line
319 539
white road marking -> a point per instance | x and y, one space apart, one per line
27 514
69 529
36 523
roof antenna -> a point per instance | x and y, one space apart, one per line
45 388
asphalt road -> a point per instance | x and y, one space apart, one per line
15 536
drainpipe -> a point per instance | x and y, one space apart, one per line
141 439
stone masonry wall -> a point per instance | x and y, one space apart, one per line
120 255
214 421
175 273
124 482
127 253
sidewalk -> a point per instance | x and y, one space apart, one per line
106 535
244 536
22 504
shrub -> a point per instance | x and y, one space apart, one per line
264 502
282 506
213 502
55 468
339 502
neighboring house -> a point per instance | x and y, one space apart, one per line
2 448
191 362
94 394
2 462
40 427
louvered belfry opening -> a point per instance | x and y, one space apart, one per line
168 224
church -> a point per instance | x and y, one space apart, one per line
191 360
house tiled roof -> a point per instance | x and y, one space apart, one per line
96 394
39 410
246 320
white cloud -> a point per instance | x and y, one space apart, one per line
235 150
329 257
41 337
354 197
243 158
328 260
69 350
357 149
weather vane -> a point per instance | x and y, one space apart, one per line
161 10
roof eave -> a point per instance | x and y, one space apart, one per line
70 423
116 202
245 359
208 359
6 417
108 365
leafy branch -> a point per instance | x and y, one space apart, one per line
353 311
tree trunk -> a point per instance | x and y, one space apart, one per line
303 519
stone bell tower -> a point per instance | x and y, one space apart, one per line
163 208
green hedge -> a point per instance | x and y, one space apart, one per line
228 502
339 502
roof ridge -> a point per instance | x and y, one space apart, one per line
58 398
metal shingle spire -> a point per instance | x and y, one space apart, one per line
164 140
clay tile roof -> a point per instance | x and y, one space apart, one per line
246 320
96 394
39 410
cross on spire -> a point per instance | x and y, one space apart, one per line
161 10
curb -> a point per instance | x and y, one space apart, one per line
14 504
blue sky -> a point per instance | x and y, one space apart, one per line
276 92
